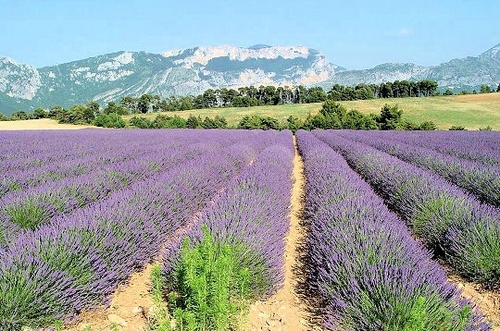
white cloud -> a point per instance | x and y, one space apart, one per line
404 32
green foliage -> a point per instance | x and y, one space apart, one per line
168 122
486 128
476 252
427 315
293 123
193 122
212 288
20 115
485 89
427 126
112 107
218 122
258 122
390 117
112 120
433 217
457 128
27 215
161 321
141 122
40 113
448 92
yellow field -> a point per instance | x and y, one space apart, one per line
40 124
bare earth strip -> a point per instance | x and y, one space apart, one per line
40 124
284 310
129 309
488 301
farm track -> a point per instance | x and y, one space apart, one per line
488 301
284 310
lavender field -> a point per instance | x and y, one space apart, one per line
80 211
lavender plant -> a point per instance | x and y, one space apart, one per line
244 230
430 205
483 181
364 265
79 259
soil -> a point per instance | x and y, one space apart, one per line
130 304
285 310
488 301
39 124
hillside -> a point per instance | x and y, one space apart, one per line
192 71
472 111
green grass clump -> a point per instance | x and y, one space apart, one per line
211 288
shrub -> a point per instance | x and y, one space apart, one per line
211 288
112 120
141 122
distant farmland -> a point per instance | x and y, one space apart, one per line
471 111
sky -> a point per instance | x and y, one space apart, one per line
352 34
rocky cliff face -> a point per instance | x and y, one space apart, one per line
192 71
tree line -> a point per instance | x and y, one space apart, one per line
331 116
109 116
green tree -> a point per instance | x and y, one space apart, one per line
427 126
112 120
144 103
448 92
140 122
293 123
193 122
485 89
40 113
55 112
112 107
390 117
130 104
20 115
94 107
498 87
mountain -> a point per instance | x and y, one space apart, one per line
458 74
192 71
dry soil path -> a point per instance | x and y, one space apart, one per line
284 310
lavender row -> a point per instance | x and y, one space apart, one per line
39 205
99 160
450 222
365 267
478 146
483 181
33 207
76 263
253 215
97 150
27 150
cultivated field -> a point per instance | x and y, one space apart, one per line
82 211
472 111
39 124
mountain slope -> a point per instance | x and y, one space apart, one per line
192 71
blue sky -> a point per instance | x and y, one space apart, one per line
353 34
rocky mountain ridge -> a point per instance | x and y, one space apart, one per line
192 71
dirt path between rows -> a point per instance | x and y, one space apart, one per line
487 301
128 311
284 310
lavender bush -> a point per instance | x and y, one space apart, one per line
435 210
483 181
368 271
247 224
78 259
